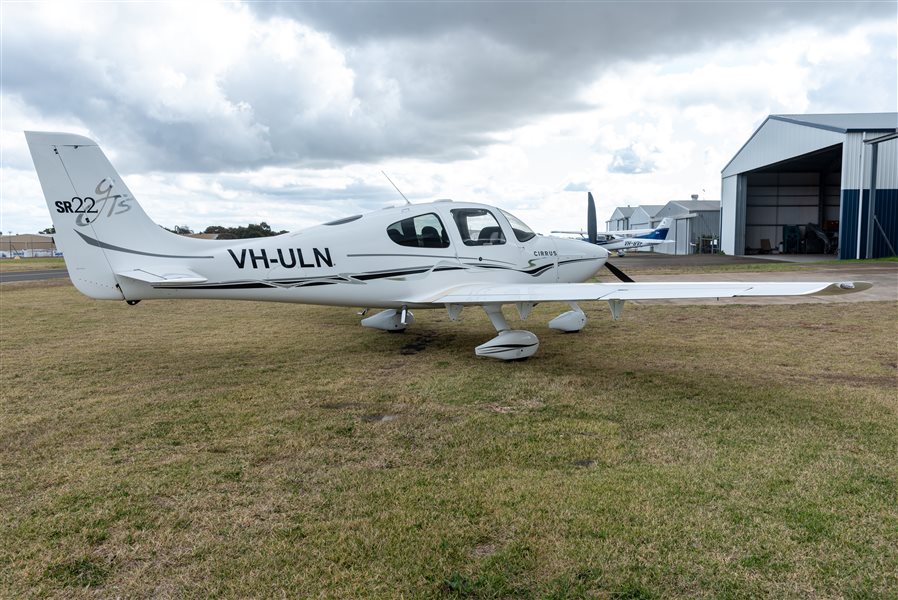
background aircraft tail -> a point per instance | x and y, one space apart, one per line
660 232
99 224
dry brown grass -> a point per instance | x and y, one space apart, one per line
189 449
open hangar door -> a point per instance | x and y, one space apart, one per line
795 192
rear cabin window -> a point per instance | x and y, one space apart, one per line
478 227
422 231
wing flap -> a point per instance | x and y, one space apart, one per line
181 276
576 292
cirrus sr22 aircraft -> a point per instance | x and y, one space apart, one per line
448 255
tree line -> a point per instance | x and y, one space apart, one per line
253 230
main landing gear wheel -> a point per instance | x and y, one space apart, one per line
509 344
390 320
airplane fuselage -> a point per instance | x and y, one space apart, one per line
359 259
630 243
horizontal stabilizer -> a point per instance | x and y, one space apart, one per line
182 276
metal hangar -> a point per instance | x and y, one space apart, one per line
803 183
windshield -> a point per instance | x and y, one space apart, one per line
521 231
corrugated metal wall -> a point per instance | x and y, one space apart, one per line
732 214
856 159
887 169
856 163
853 224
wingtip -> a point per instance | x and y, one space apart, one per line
845 287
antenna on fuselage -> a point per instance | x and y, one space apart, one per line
397 188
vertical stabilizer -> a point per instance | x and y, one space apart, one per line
92 210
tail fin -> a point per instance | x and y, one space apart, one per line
660 232
92 210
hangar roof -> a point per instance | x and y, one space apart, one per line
843 123
697 205
623 211
784 137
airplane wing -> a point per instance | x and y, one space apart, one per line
604 233
576 292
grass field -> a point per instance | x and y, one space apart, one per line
10 265
697 263
194 449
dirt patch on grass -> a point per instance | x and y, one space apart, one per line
419 344
339 405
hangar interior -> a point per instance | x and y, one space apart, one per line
801 190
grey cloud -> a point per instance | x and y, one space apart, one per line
486 66
430 80
575 29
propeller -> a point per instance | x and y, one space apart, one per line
591 227
618 273
592 232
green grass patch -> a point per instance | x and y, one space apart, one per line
195 449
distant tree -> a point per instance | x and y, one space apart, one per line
253 230
49 230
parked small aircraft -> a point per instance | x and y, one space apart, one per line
623 240
417 256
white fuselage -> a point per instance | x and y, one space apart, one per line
356 262
628 243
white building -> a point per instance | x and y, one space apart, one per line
797 170
27 245
620 219
644 216
695 227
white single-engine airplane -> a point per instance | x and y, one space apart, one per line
417 256
625 239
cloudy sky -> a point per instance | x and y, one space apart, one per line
229 113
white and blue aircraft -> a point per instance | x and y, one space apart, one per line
442 254
623 240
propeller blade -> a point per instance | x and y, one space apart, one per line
591 226
618 273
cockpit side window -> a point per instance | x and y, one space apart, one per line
478 227
422 231
521 231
